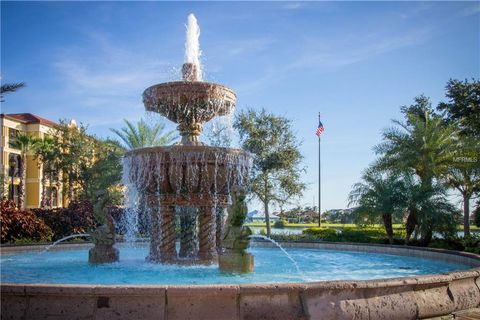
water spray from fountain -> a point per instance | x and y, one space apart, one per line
192 45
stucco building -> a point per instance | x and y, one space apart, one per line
11 126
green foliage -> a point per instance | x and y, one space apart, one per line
326 234
378 196
463 107
143 135
18 224
476 213
77 218
472 243
422 144
9 88
24 142
280 224
275 175
105 173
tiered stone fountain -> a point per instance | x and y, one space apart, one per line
189 179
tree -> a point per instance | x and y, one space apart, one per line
423 144
428 209
276 163
105 173
378 196
143 135
9 88
75 152
463 107
45 153
464 175
24 143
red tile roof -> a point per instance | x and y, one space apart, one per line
28 118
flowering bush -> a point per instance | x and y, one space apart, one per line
21 224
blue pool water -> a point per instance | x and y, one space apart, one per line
70 266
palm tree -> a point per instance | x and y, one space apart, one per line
139 136
24 143
378 195
428 209
143 135
45 152
464 175
9 88
424 145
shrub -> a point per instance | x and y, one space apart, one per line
280 224
21 224
326 234
476 216
472 243
77 218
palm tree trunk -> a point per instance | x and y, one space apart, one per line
23 181
44 201
387 222
410 225
466 215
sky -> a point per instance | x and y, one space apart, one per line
355 62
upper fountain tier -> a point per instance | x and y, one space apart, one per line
190 102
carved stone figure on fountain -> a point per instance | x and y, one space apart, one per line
234 257
104 234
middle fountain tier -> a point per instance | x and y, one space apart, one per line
187 186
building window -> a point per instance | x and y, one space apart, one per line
12 137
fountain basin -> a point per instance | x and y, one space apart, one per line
416 296
184 101
187 175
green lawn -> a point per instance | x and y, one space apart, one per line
339 225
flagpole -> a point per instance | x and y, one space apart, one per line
319 180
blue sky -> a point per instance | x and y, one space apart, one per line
355 62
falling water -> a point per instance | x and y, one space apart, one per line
65 238
259 236
192 44
129 222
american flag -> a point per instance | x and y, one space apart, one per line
320 129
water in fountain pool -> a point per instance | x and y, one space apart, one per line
71 266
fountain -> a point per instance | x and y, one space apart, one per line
189 179
189 187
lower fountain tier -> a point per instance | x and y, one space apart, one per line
180 175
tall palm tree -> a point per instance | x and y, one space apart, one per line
143 135
45 152
378 196
24 143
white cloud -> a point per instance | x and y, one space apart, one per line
337 54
